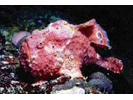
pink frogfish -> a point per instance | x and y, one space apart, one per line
62 48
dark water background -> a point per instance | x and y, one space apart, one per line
116 20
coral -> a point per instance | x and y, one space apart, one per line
9 83
62 48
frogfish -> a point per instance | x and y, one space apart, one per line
61 49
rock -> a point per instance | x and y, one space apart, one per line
1 89
100 82
70 84
74 90
73 86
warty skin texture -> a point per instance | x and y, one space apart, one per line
62 48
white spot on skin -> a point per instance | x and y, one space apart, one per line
60 59
71 57
49 50
121 68
40 74
98 56
51 74
117 72
30 65
107 68
67 52
34 57
28 60
58 64
72 73
59 56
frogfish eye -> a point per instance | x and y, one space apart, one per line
99 35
